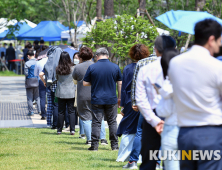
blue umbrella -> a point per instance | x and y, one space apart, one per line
184 21
71 52
67 48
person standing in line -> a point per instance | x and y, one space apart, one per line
84 105
65 92
27 48
167 109
135 152
197 85
31 83
147 100
10 55
129 122
102 77
2 49
42 89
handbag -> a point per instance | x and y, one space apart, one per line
31 82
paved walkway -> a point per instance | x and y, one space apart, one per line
13 105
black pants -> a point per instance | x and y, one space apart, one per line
151 141
11 66
110 111
62 110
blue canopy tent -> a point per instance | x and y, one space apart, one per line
184 21
23 27
45 30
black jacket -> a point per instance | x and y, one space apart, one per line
10 53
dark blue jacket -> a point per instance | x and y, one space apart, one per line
128 124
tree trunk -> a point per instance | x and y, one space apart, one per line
99 10
187 3
142 7
199 4
168 5
108 8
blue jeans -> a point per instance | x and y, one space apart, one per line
42 95
134 156
87 126
169 143
81 129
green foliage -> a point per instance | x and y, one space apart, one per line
121 34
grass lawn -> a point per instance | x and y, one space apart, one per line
29 148
9 73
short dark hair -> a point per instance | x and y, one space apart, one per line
30 53
44 47
86 53
167 55
75 54
36 47
65 64
36 42
163 42
138 52
42 41
10 44
206 28
2 54
29 45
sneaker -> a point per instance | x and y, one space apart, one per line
88 142
43 118
132 165
115 148
72 133
158 167
92 148
58 133
82 136
30 114
53 127
40 113
104 142
48 126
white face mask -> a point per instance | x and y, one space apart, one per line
76 61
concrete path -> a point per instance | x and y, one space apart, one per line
13 105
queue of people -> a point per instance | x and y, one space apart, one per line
169 101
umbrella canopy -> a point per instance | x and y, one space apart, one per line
184 21
23 27
46 30
71 50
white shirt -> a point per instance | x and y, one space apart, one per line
146 96
166 107
196 77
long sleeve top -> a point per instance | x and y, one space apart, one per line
166 107
139 65
197 85
146 95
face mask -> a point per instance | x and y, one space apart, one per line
76 61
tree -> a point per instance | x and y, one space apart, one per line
121 34
142 7
199 4
99 10
108 9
